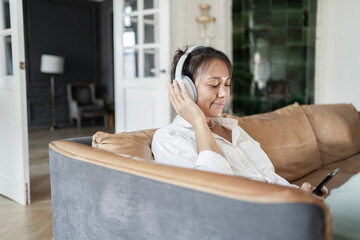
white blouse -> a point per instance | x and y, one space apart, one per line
176 145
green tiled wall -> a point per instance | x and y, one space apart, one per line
283 33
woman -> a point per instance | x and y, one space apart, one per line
198 137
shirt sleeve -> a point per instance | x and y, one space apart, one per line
213 162
172 148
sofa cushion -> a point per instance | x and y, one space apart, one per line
135 144
348 168
337 129
287 138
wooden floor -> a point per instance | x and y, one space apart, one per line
35 221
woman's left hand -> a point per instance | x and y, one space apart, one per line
307 187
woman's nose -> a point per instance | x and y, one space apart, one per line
222 91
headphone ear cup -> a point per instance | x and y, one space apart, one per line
190 87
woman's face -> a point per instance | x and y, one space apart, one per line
213 87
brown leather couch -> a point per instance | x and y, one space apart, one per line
166 202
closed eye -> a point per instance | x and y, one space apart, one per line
215 86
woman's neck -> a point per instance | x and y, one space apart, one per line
210 122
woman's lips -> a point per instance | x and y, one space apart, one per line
219 105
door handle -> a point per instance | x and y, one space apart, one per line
156 70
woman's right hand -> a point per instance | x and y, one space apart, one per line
184 105
307 187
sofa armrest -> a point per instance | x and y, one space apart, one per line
99 102
73 108
101 194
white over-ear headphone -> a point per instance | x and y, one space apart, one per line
190 86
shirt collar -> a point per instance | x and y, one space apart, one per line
182 122
228 123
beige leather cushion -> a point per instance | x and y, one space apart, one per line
287 138
337 129
136 144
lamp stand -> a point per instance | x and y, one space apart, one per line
53 122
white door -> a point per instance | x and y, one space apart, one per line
14 154
141 38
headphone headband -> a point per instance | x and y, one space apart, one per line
180 63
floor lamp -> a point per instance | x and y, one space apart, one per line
52 65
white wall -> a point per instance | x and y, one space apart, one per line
337 76
184 30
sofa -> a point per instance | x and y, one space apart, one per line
107 186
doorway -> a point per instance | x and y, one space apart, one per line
81 33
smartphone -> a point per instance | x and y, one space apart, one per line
317 190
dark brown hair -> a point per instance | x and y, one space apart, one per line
198 61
